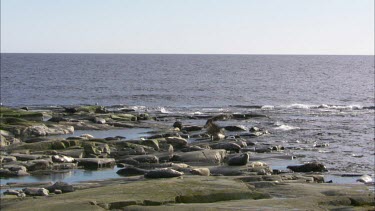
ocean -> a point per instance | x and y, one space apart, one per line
310 100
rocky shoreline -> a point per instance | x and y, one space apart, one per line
178 165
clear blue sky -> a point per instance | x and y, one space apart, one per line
188 26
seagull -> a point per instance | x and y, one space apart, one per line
214 130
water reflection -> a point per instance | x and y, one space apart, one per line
70 176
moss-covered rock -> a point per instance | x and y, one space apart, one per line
124 117
6 112
91 109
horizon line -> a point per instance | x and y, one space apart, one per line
271 54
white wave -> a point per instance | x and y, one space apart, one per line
163 110
312 106
301 106
139 108
286 127
267 107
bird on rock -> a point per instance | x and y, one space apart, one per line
214 130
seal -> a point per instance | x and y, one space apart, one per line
200 171
240 160
308 167
163 173
131 171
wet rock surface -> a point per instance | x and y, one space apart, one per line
190 160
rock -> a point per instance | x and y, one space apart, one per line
191 148
203 156
146 158
98 120
14 192
365 179
62 186
227 146
36 191
261 170
200 171
191 128
8 173
151 143
63 166
15 167
25 157
95 163
62 159
163 173
178 125
257 164
43 130
226 171
254 129
57 119
176 142
88 136
74 153
277 148
129 161
58 191
248 116
7 159
71 110
38 165
240 160
131 171
236 128
104 148
308 167
91 149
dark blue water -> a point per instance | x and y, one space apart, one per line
185 80
310 99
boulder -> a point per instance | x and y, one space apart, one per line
36 191
203 156
227 146
38 165
239 160
63 186
176 142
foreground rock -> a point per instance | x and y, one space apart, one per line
220 193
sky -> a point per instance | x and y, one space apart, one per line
188 26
